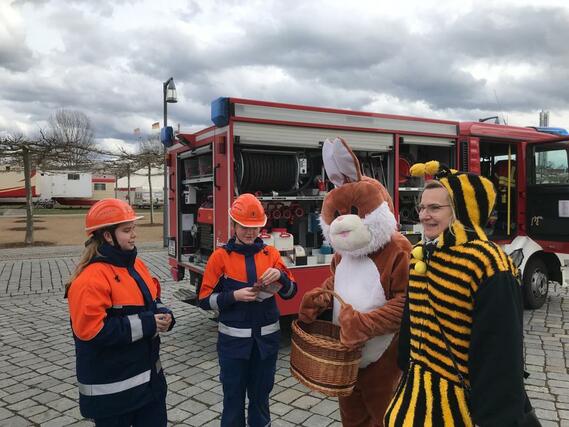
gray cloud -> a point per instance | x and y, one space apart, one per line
531 34
114 73
15 55
385 59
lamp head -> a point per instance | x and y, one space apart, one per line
171 95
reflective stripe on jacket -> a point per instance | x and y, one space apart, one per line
241 323
112 304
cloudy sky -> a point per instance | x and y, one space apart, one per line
453 59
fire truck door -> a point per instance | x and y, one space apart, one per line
498 161
548 191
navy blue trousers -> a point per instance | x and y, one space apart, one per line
253 376
150 415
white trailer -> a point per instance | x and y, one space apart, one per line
65 184
46 186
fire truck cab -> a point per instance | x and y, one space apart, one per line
273 150
529 168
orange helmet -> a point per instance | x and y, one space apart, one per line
248 211
108 212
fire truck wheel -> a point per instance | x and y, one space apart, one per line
536 282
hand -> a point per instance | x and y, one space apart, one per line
269 276
245 294
163 321
312 305
350 334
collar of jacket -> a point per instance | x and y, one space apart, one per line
458 234
251 249
115 256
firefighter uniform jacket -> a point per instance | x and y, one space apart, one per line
112 305
242 323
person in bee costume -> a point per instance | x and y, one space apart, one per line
117 318
241 280
461 337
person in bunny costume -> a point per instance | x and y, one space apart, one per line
370 271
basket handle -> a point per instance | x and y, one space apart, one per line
334 294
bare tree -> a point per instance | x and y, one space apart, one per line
148 156
70 139
66 143
23 150
124 165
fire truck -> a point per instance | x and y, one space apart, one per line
273 150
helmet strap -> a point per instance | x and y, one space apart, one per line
115 242
241 241
111 231
234 223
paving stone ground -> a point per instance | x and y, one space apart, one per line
37 362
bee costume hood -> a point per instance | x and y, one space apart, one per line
472 196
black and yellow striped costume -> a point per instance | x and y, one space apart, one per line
470 286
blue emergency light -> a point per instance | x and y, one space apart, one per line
553 131
167 136
220 112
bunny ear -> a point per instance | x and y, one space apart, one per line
341 164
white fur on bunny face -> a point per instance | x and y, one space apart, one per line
348 233
380 225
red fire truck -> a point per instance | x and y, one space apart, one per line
274 151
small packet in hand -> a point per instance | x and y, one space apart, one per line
273 287
266 291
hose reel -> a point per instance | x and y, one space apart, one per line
266 170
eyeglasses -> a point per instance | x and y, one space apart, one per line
430 209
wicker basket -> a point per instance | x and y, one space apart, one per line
318 359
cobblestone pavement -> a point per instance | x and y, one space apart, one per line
37 364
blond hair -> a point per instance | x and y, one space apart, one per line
91 251
433 183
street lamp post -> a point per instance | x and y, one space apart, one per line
169 91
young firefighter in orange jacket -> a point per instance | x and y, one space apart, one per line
249 333
116 317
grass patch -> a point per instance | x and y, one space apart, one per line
147 210
20 211
61 211
147 224
24 228
13 245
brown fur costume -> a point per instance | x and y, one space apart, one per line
370 272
